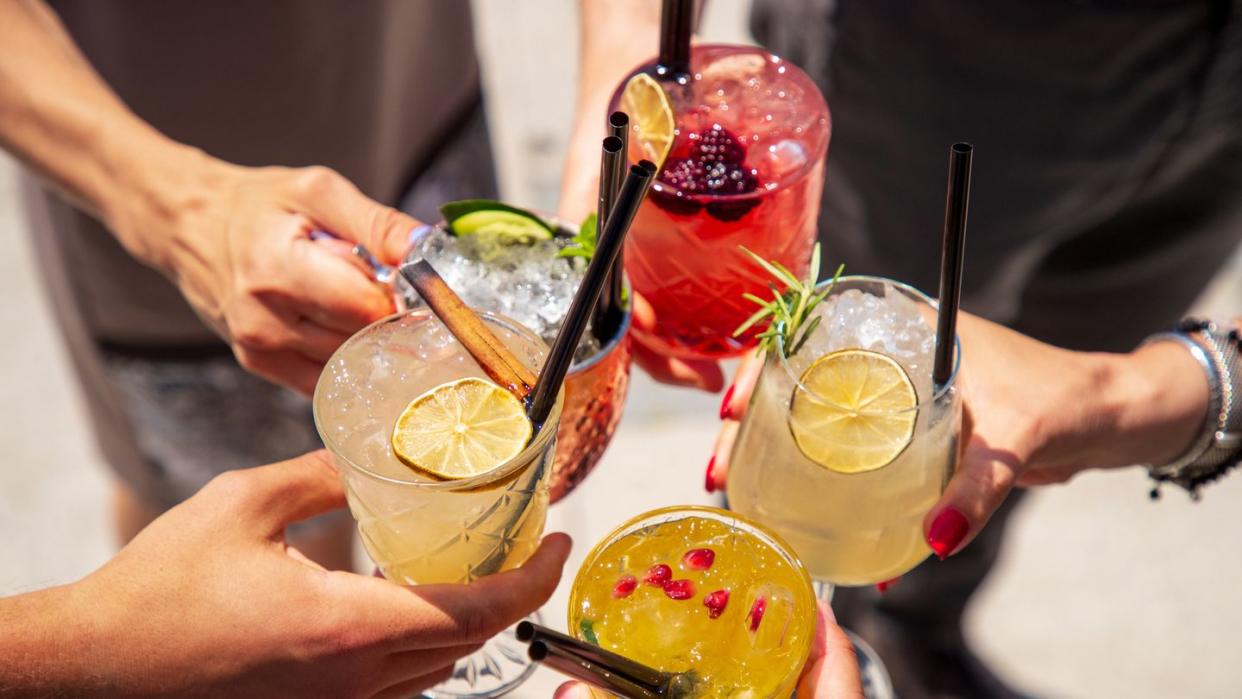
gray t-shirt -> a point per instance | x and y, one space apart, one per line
370 88
1085 115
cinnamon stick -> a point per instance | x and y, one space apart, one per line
492 355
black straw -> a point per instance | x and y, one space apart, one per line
606 318
956 203
676 23
529 632
587 671
606 248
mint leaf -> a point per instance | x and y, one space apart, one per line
583 244
587 627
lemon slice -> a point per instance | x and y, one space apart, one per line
652 115
461 429
864 415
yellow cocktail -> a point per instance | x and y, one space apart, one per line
846 444
417 528
701 591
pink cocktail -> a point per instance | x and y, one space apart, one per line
745 169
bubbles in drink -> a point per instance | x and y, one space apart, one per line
775 112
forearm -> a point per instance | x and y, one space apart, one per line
615 37
49 643
1148 409
64 122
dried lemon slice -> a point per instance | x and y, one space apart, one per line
860 413
651 114
461 429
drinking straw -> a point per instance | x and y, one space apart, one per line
587 671
605 316
529 632
956 202
606 248
619 126
676 20
491 354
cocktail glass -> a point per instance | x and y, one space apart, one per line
700 591
682 254
532 285
419 530
850 528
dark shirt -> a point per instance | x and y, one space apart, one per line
1080 111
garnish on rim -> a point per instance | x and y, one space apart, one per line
496 221
789 309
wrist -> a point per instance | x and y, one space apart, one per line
1158 398
52 643
154 181
1116 410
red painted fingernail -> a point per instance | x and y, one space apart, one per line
883 586
709 483
726 412
947 531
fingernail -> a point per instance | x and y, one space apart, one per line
418 232
709 483
947 531
726 412
883 586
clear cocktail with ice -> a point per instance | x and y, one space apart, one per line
846 444
744 168
529 282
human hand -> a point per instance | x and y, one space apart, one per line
237 241
1033 414
831 671
703 374
213 601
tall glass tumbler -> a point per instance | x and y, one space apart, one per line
419 530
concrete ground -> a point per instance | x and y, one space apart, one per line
1100 593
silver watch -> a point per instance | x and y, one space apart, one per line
1219 444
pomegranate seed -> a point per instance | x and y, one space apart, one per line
624 586
658 575
699 559
679 589
756 612
716 603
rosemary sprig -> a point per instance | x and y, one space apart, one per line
788 309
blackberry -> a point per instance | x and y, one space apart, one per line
717 145
714 166
682 177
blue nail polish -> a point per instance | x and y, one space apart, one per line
417 233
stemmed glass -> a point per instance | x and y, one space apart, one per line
745 168
853 518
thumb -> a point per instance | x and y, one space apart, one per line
579 690
832 670
337 206
275 496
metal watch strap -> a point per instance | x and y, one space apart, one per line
1219 445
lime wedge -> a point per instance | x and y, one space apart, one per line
860 415
461 429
